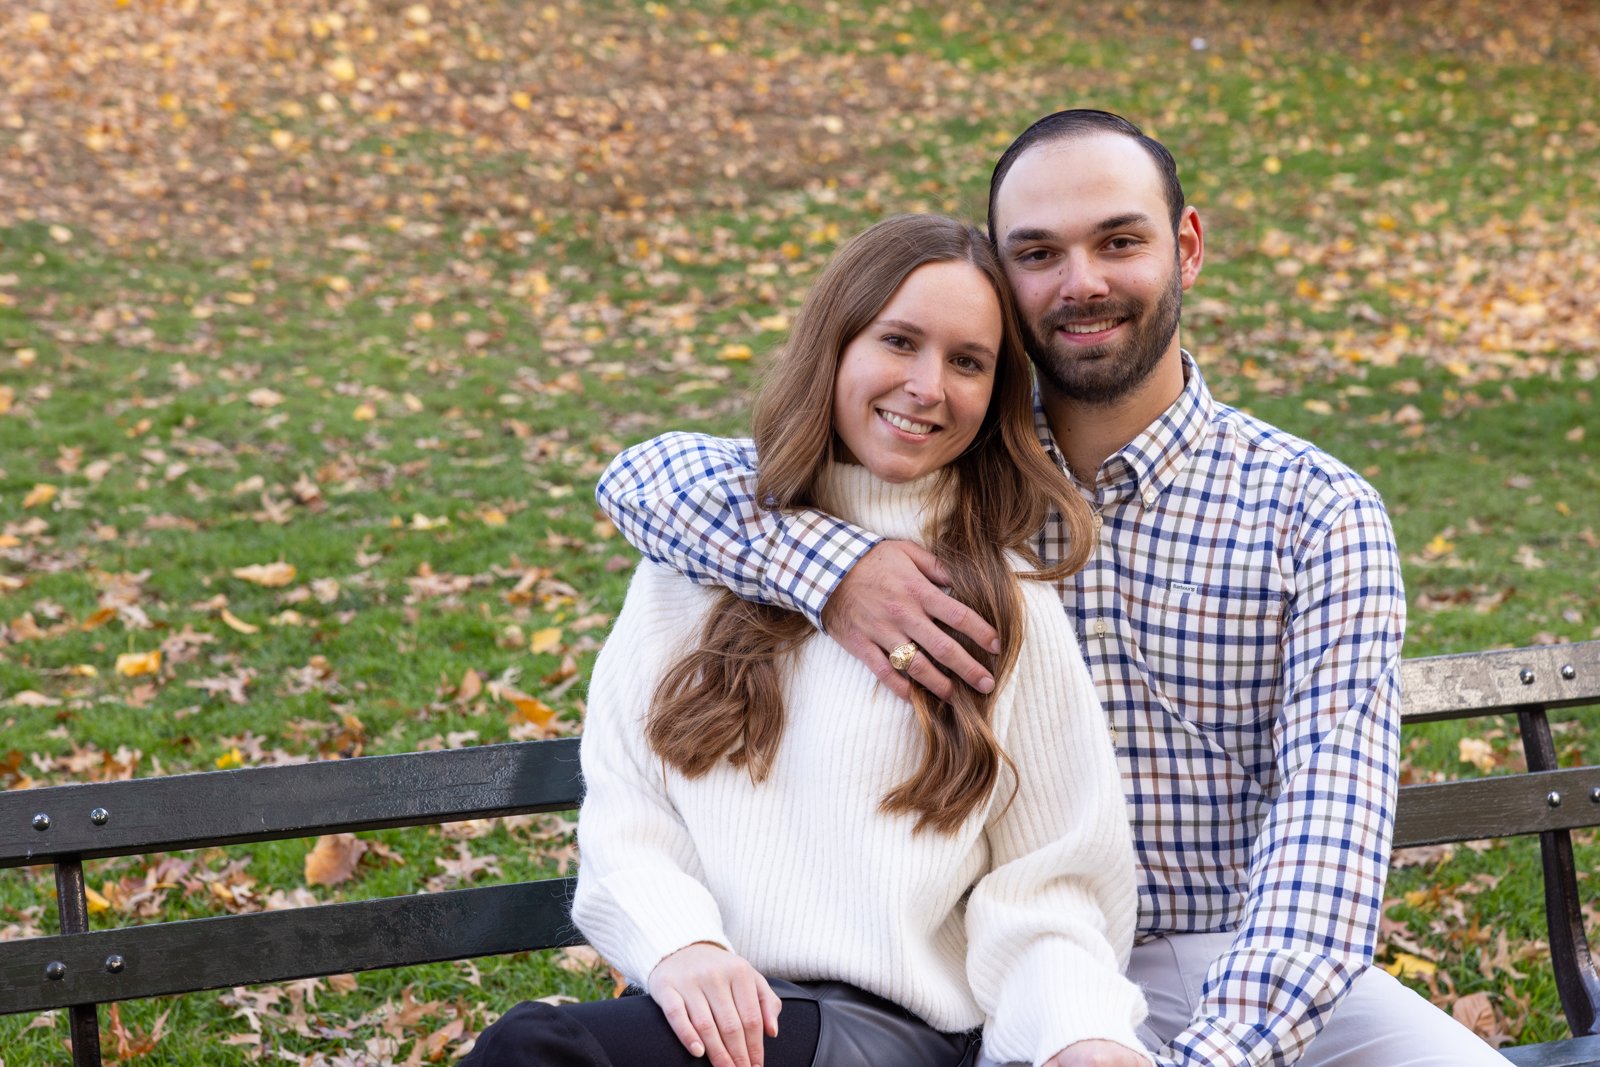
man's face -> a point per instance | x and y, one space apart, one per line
1086 238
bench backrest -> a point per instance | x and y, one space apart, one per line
1546 799
65 825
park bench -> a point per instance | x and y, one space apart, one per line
80 968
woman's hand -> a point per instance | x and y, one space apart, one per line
717 1004
1098 1054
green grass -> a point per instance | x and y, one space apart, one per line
397 355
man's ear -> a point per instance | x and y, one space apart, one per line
1191 246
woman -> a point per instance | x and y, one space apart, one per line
767 829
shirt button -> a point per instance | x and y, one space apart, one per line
1097 522
1149 496
1100 627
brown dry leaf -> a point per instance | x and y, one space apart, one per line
131 1044
271 575
1476 1012
333 860
471 687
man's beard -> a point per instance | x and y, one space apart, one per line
1106 373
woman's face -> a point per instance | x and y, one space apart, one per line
913 387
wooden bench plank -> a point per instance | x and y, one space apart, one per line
1485 683
1574 1052
145 815
1508 805
230 950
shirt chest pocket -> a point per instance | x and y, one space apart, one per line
1215 650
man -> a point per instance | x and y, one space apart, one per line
1242 617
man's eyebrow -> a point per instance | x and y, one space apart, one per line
1117 222
1024 234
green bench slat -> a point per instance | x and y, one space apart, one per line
1573 1052
1483 683
1472 809
185 811
271 946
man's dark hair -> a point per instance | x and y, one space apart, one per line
1079 122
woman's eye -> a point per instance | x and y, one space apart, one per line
894 340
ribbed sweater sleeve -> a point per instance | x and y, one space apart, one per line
1050 926
641 888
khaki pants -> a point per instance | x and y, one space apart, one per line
1380 1023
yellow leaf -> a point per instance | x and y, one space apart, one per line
529 709
423 321
9 584
133 664
1318 407
1406 965
60 234
282 140
42 493
271 575
521 101
1438 547
1416 897
27 356
737 353
242 299
342 69
230 759
98 905
493 517
419 15
8 397
1272 164
235 623
364 413
546 640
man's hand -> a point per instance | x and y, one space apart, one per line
892 596
717 1004
1097 1054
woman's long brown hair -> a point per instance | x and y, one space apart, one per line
725 697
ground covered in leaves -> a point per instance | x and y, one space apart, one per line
319 320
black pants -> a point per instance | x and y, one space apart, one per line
823 1024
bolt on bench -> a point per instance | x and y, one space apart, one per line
79 969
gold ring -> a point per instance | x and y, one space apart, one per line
900 656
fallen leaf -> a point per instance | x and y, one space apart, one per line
546 640
40 494
333 859
1406 965
235 623
133 664
268 574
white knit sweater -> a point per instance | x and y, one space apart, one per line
806 878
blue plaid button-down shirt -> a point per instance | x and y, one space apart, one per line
1242 617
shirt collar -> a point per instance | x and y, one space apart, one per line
1152 461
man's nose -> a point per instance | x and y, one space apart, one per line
1080 278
